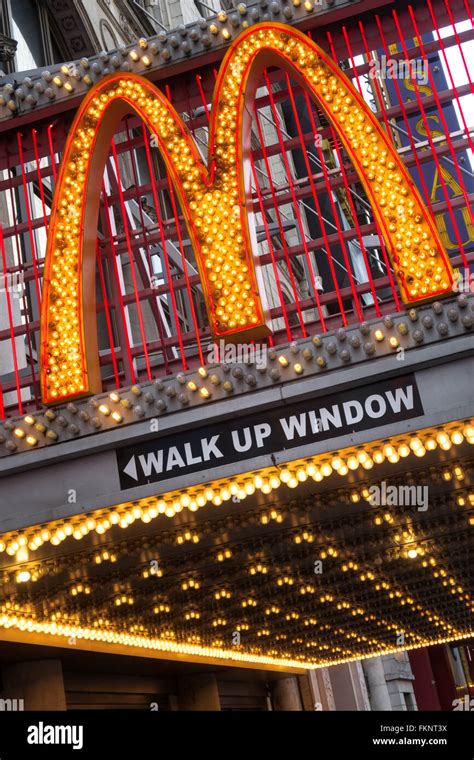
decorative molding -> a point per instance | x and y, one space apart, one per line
8 48
307 357
47 85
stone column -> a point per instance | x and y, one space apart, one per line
323 697
286 695
379 696
39 683
198 692
348 685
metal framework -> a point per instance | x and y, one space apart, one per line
324 261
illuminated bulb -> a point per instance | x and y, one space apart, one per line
22 554
114 396
202 371
443 441
23 576
204 393
393 342
469 433
117 417
104 409
31 440
412 553
379 335
283 361
192 385
298 369
19 433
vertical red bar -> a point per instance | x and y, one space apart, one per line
26 305
379 231
295 200
351 56
342 243
51 150
163 247
405 119
327 247
350 199
40 179
119 290
446 2
154 308
376 83
448 68
466 5
276 273
280 225
11 325
183 258
131 260
28 216
107 316
203 97
184 266
433 149
438 103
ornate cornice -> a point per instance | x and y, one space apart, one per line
8 48
68 81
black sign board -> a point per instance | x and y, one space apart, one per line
270 431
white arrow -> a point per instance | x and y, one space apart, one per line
131 469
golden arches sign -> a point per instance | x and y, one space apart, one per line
215 199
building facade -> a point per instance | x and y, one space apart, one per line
197 513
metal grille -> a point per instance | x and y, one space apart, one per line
324 260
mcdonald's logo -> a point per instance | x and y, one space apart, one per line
216 199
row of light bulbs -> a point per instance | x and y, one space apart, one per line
364 576
218 223
68 632
118 407
145 53
266 481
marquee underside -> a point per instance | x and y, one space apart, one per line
304 576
